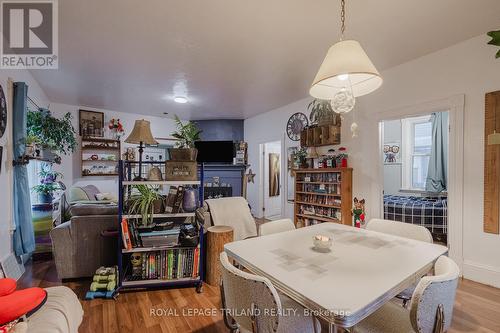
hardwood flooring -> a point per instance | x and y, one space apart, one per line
477 307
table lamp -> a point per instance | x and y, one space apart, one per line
141 135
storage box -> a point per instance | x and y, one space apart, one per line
160 238
181 170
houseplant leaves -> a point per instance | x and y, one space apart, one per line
495 35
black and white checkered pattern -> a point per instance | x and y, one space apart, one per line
431 213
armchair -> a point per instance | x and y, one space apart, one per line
78 246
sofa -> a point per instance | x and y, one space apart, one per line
80 244
61 313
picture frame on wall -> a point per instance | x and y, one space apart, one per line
392 152
91 123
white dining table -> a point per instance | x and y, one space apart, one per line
362 271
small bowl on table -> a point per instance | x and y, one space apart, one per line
322 243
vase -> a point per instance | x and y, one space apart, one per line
189 201
183 154
45 198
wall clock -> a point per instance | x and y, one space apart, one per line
3 112
297 122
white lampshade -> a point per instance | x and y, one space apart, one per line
345 57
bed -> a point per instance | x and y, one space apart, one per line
431 213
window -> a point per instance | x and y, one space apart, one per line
417 144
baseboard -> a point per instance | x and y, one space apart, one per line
482 273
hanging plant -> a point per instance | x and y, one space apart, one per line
495 35
55 134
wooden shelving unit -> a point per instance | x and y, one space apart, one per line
99 157
323 195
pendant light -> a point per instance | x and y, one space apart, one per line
346 73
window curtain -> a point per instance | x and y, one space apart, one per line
437 174
24 237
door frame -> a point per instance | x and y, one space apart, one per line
263 172
455 106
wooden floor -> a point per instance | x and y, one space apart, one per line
477 307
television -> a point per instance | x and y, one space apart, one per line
215 151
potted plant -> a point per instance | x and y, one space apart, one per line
322 113
49 184
147 202
186 136
299 158
57 135
32 143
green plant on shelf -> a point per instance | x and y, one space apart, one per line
144 202
56 134
186 134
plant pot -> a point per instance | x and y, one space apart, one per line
158 207
30 150
183 154
45 198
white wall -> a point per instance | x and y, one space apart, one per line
468 68
392 172
37 94
71 165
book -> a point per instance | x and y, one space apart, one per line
170 201
127 244
177 208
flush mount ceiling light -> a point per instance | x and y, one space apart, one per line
346 73
180 99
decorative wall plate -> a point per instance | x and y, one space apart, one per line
3 112
297 122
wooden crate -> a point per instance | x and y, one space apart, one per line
181 170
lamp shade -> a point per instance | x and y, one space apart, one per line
141 133
345 57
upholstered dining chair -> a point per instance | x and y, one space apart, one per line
405 230
273 227
401 229
252 305
431 308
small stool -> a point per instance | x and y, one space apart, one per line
217 236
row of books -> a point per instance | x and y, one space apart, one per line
170 264
130 235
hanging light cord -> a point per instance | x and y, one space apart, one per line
342 18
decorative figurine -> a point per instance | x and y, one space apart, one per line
359 212
136 261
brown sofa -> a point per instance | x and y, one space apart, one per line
78 246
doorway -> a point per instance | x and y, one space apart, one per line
271 185
415 171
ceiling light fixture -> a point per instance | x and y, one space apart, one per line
180 99
346 73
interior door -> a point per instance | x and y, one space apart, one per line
273 193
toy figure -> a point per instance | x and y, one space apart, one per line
359 212
136 261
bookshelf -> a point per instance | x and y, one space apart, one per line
323 195
161 265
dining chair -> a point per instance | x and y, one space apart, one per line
252 304
401 229
431 308
273 227
406 230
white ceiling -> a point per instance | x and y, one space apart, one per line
235 58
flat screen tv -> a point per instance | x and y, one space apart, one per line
215 151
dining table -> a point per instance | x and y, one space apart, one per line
344 284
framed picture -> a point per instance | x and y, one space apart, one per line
91 123
274 175
392 153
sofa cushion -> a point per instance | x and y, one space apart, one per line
93 209
83 193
